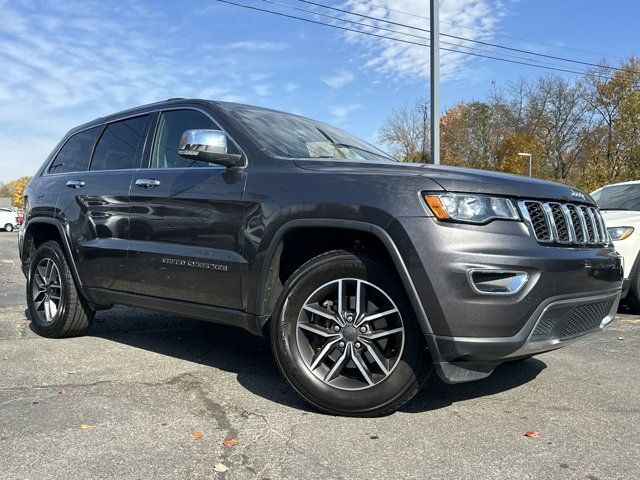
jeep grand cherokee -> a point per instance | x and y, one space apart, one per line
366 273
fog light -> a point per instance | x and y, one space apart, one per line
497 282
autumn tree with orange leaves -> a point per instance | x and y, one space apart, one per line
583 132
15 189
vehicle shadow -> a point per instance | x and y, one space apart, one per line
436 394
249 358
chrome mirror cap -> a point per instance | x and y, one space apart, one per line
207 146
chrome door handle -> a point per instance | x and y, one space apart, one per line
75 184
147 182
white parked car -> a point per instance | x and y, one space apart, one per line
8 219
620 207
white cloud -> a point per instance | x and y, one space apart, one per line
258 46
341 112
339 79
106 58
291 87
262 89
402 60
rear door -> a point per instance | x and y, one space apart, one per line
186 219
95 202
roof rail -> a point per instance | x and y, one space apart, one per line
174 98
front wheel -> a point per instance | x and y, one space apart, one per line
55 305
346 339
8 227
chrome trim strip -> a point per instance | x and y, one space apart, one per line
573 237
583 225
551 222
604 235
521 279
596 233
522 205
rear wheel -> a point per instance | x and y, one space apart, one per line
346 339
8 227
55 306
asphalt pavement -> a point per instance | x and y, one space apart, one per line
152 396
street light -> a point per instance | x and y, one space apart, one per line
527 155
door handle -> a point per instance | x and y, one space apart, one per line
75 184
147 182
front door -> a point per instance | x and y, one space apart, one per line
186 219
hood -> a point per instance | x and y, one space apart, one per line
455 179
363 167
621 218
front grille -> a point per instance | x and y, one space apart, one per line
586 317
538 221
545 327
564 223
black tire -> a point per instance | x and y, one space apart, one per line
72 316
412 366
632 300
8 227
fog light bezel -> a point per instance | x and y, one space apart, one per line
521 278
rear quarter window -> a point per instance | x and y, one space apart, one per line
75 153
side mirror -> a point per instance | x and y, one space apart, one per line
207 146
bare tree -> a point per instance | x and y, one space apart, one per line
406 132
561 119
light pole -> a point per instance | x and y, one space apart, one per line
527 155
435 81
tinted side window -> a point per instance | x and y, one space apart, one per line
74 155
171 126
118 146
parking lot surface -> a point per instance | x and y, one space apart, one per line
147 395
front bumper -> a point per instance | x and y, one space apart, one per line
556 323
571 292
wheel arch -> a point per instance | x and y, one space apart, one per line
266 300
31 237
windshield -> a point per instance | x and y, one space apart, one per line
618 197
290 136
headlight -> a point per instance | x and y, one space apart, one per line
471 208
619 233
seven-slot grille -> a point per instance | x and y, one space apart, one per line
564 223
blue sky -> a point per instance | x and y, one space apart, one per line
65 62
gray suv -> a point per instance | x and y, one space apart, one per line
366 273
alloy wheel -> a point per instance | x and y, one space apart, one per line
47 290
350 334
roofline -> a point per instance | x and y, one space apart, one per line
132 111
629 182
